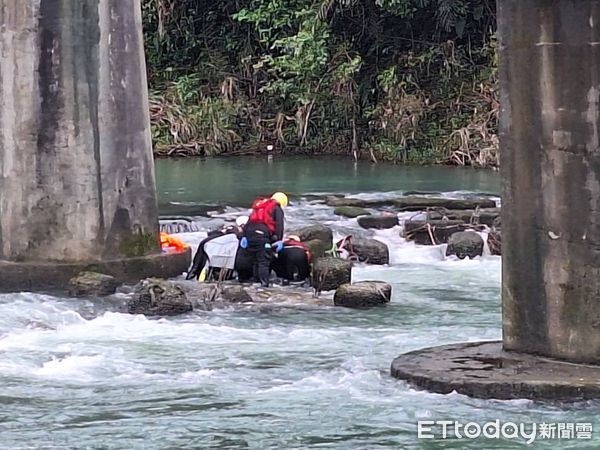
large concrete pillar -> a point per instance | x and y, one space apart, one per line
550 145
76 166
76 160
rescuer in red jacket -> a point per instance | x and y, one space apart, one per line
264 233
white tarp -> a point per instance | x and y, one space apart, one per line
221 251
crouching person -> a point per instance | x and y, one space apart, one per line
293 262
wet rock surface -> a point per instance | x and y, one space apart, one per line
413 203
157 297
485 370
494 242
370 251
363 294
465 244
317 247
315 232
351 211
486 216
422 231
330 273
378 222
92 283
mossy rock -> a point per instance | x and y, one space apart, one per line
312 232
317 247
465 244
378 222
157 297
330 273
351 211
92 283
364 294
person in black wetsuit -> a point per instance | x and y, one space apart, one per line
293 262
200 258
264 233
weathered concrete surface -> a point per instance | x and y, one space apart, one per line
55 276
550 141
76 168
485 370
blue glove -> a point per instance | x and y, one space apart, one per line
244 242
278 246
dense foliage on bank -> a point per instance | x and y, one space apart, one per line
406 80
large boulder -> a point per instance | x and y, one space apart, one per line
363 294
421 231
157 297
370 251
494 241
92 283
378 222
465 244
318 232
351 211
330 273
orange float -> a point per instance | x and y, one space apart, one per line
170 244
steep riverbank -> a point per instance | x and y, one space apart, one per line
407 81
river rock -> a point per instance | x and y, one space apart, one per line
378 222
465 244
371 251
92 283
420 203
441 230
414 203
157 297
317 247
363 294
483 216
319 232
330 273
494 241
235 294
336 201
497 223
351 211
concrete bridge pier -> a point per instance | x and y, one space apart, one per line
550 159
77 186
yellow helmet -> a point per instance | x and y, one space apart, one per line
280 198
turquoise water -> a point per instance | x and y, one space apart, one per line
80 374
239 181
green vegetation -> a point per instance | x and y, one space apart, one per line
412 81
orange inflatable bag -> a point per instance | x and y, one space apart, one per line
170 244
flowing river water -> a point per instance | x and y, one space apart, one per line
77 373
